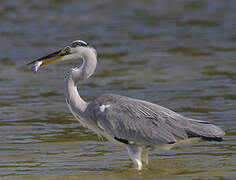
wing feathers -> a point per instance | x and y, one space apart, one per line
139 121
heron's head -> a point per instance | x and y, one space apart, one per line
70 52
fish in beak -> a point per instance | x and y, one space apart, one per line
48 59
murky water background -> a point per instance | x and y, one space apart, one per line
179 54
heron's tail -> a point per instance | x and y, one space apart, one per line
205 130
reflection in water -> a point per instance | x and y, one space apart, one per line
179 55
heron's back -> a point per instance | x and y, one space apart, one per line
135 120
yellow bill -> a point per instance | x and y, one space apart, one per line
48 59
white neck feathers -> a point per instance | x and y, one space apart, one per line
87 68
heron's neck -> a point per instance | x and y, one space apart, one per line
77 74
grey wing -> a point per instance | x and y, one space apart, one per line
135 121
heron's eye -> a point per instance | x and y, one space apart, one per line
67 50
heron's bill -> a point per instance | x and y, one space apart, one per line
45 60
51 61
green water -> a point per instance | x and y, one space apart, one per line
179 54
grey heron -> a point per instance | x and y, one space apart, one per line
135 124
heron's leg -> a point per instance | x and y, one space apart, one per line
135 153
145 155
